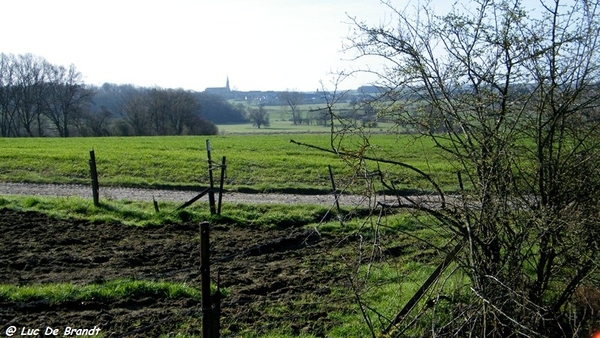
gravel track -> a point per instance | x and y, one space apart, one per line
136 194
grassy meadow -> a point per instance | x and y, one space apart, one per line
257 162
280 119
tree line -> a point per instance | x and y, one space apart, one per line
38 98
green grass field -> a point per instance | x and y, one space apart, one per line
112 290
261 162
281 121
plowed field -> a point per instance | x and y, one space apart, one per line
274 278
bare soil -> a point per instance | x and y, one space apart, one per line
274 277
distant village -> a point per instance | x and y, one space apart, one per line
270 98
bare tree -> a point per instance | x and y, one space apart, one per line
258 116
184 109
95 123
30 92
161 111
506 93
66 96
292 100
8 106
23 90
135 112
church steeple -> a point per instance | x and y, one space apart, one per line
223 91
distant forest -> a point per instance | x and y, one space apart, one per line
38 98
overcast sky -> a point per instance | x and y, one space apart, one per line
190 44
194 44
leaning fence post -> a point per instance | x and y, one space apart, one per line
337 196
223 168
156 208
94 174
211 193
423 289
205 280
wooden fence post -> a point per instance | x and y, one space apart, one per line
156 208
337 197
94 174
211 193
423 289
223 168
205 280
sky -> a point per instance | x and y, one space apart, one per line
192 44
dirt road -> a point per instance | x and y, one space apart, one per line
135 194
